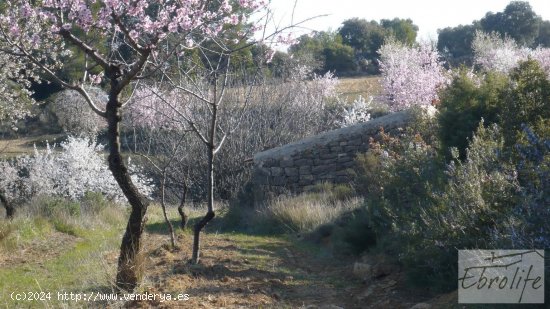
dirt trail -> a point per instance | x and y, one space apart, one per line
239 271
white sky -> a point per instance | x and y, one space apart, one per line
428 15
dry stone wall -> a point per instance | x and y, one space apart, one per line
327 157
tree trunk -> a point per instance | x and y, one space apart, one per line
129 262
163 205
183 216
10 210
210 214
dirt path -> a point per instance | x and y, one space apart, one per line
238 271
243 271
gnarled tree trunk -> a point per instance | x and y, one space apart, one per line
10 210
129 262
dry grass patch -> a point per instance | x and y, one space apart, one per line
352 88
25 145
307 212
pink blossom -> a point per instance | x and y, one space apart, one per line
411 75
492 52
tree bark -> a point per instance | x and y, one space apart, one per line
163 206
129 262
210 214
183 216
10 210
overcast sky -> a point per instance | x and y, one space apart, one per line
428 15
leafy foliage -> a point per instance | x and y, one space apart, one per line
526 100
518 20
325 51
455 43
464 103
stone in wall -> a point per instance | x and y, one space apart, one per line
327 157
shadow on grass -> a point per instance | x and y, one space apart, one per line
161 228
216 225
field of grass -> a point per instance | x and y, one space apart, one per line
25 145
353 87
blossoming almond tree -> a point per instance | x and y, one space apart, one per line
495 53
77 168
41 32
14 105
411 75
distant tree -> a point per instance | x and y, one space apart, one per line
366 38
309 50
281 65
455 43
518 20
493 53
403 30
339 58
327 52
73 114
543 38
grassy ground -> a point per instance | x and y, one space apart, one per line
351 88
25 145
78 254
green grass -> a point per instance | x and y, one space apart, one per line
57 263
22 231
85 260
81 268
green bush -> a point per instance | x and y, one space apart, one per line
472 210
463 104
354 233
396 177
422 210
533 169
55 206
526 101
94 202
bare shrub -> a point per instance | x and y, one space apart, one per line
74 115
269 114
